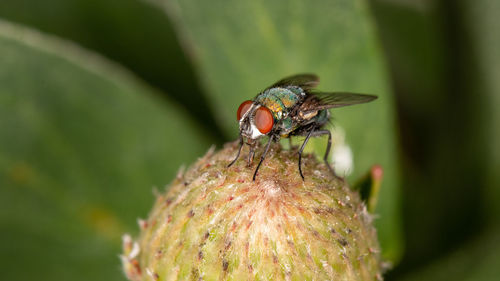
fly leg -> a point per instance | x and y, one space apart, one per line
263 156
318 133
237 155
327 152
251 153
302 149
328 146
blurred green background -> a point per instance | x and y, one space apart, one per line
103 101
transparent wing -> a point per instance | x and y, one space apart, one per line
322 100
304 81
339 99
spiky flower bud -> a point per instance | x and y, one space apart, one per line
215 223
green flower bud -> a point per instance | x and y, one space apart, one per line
215 223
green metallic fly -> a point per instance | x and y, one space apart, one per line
289 108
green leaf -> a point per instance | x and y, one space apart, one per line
444 62
241 47
481 20
131 32
81 146
476 260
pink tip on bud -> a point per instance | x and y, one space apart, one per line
377 172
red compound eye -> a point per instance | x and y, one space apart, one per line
264 120
244 107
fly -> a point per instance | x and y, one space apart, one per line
290 107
